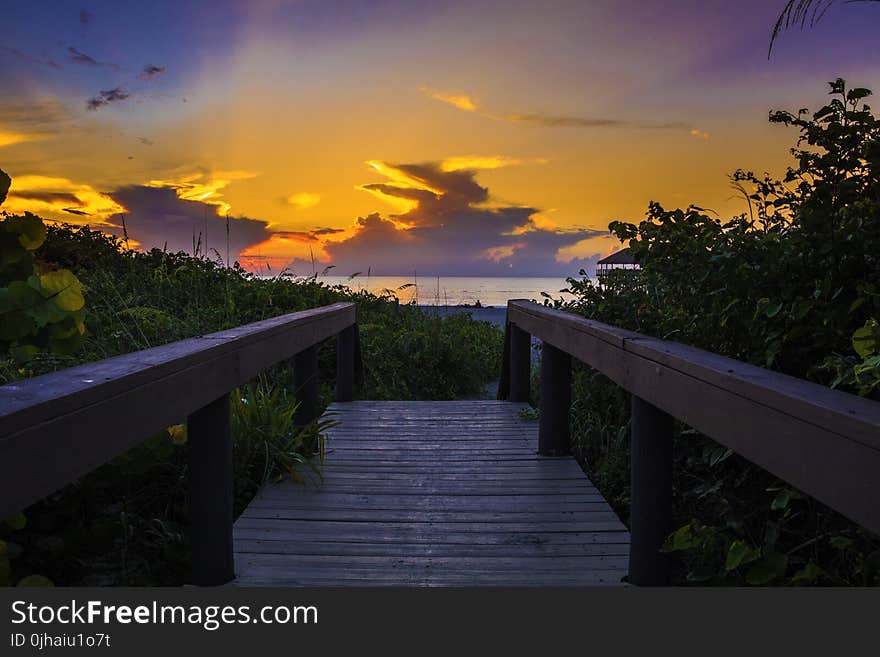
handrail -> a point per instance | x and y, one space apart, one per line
824 442
59 426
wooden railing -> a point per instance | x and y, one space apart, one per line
57 427
824 442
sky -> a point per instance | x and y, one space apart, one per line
480 137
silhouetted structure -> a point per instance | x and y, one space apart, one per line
622 259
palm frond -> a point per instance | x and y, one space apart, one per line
803 13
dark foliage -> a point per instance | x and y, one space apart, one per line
792 285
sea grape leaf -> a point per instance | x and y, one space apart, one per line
865 338
22 296
807 575
64 288
30 229
739 554
857 94
24 352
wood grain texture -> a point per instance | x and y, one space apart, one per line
432 494
824 442
74 420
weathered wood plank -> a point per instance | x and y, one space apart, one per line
310 498
301 547
415 564
822 441
392 515
353 532
275 577
456 488
432 493
74 420
587 529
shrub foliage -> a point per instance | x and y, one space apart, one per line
792 284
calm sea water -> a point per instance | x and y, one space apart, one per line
455 290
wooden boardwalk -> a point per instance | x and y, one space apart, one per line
437 493
432 494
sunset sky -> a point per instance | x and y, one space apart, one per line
454 138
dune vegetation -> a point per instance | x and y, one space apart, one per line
792 284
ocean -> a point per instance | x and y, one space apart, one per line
455 290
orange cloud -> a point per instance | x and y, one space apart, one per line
61 199
539 221
281 249
204 187
499 253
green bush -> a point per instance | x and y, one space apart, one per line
793 285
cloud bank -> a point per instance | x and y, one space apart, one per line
450 229
450 225
158 217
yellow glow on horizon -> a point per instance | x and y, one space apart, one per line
281 249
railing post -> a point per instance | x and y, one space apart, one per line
555 401
210 493
520 354
305 386
345 360
650 493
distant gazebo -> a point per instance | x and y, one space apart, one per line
619 260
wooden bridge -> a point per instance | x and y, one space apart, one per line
433 493
437 493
